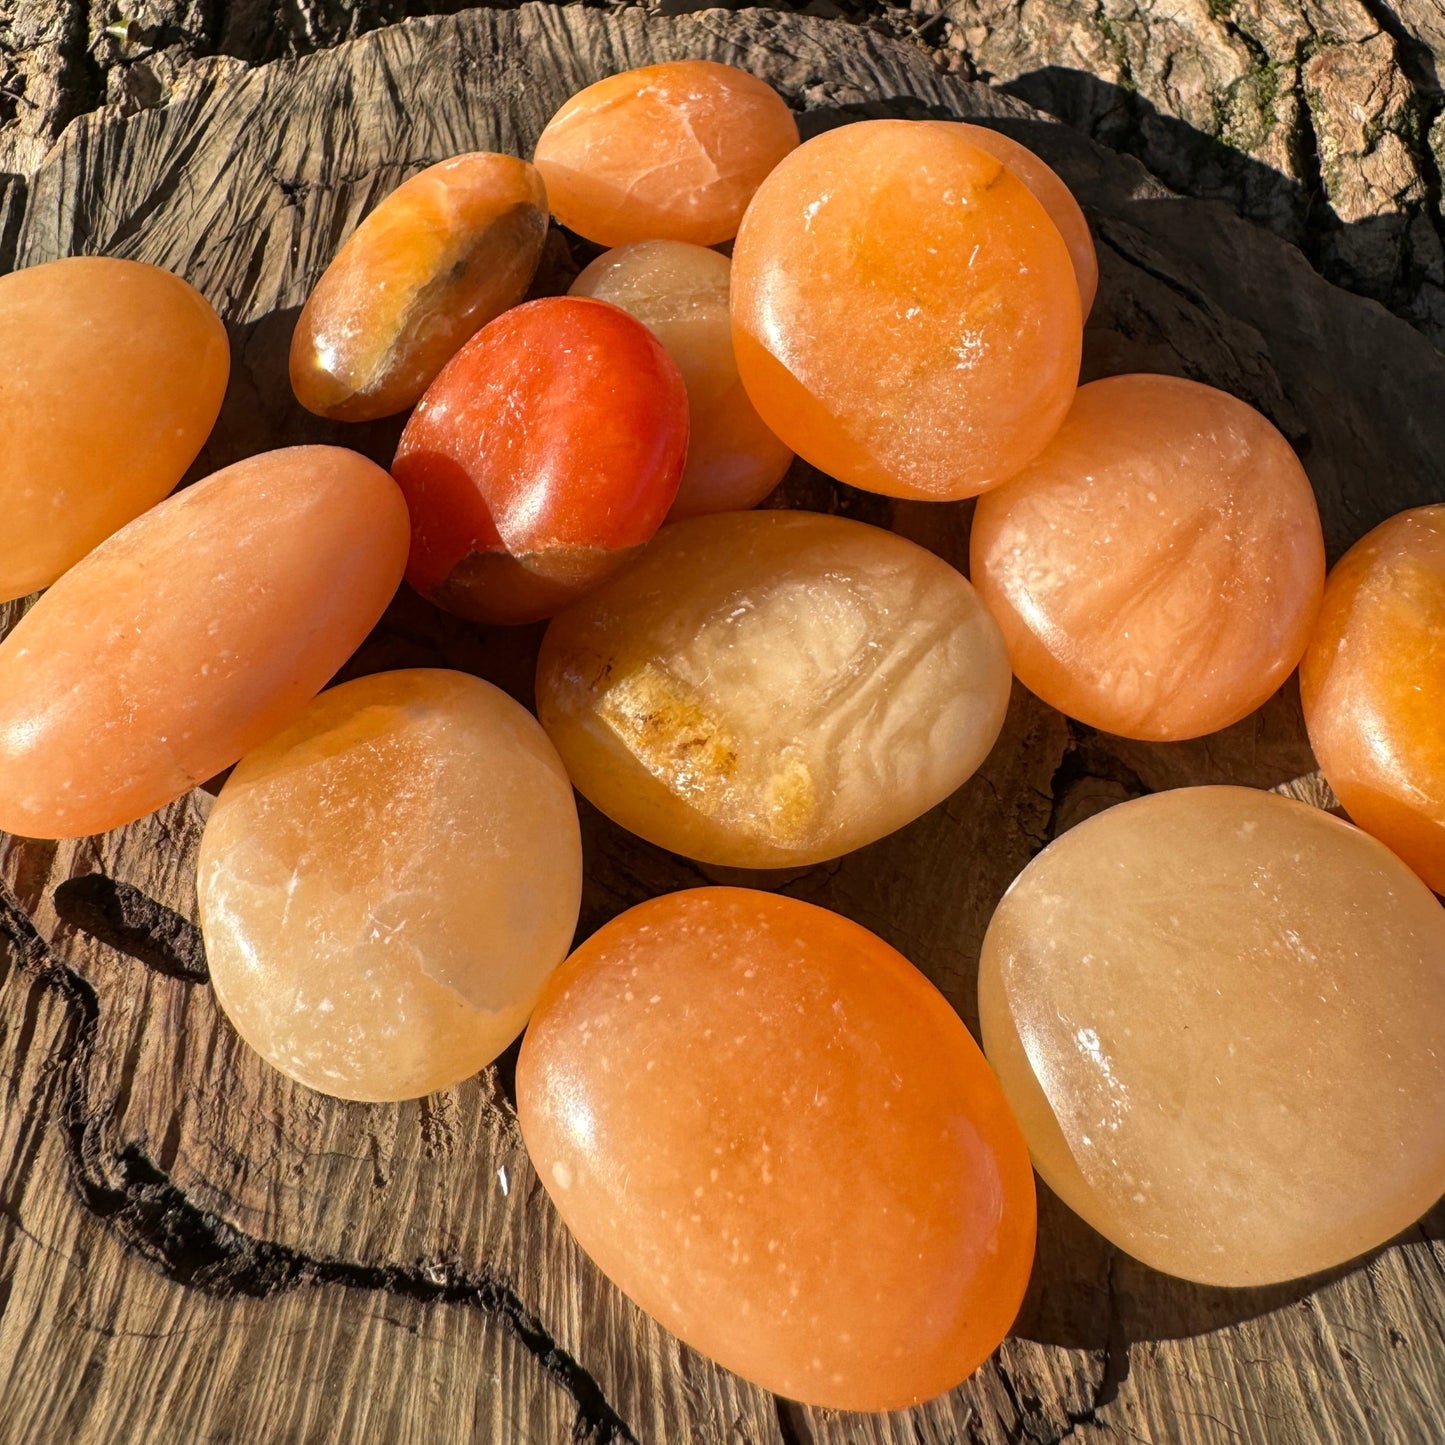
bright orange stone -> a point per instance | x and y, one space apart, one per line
544 455
441 256
1373 685
1157 570
773 1133
906 315
113 373
191 636
385 884
666 152
1052 194
680 292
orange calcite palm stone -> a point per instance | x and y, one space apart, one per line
113 375
1052 194
1157 570
191 636
680 291
773 1133
767 689
906 315
441 256
1373 685
545 454
385 885
1219 1016
667 152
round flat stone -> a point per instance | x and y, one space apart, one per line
1219 1016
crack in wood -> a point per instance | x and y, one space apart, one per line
152 1217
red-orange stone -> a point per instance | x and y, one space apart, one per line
905 313
1373 686
668 152
774 1134
546 452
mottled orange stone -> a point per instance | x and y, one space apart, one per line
768 689
1219 1016
1052 193
191 636
680 291
113 373
1157 570
774 1134
666 152
386 883
1373 684
905 314
441 256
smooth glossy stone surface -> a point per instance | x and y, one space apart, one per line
767 689
680 292
191 636
442 255
385 885
1157 570
774 1134
548 450
906 315
113 375
667 152
1050 191
1219 1016
1373 685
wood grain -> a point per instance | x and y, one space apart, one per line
194 1249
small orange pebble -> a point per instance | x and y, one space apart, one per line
1373 686
113 374
191 636
680 292
770 1131
1157 569
443 254
1052 194
905 313
665 152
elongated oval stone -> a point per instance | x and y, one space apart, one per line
385 884
774 1134
191 636
1373 686
766 689
441 256
113 376
1219 1016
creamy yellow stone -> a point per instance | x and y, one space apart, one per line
386 885
766 689
1219 1015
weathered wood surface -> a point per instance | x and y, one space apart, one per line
193 1249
